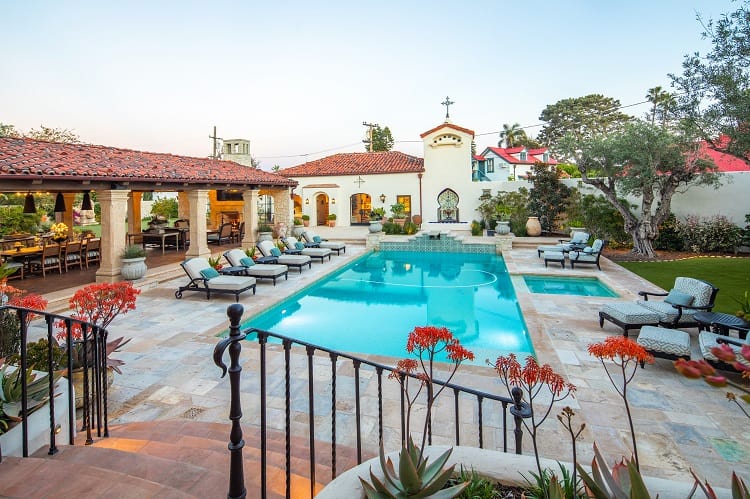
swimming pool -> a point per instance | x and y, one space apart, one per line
370 305
581 286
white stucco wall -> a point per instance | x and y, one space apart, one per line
342 187
448 165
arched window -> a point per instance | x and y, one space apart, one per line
448 206
361 205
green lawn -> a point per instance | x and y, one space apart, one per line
730 275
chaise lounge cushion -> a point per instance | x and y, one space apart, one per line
628 315
292 260
237 258
195 267
665 342
708 340
336 246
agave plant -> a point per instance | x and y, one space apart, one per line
414 477
11 384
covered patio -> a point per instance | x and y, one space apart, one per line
119 177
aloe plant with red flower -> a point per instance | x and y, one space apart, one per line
415 477
626 354
532 379
10 326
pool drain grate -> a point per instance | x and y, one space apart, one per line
193 412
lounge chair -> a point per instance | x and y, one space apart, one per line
708 340
295 245
664 342
205 279
687 297
677 310
311 238
577 242
588 255
267 249
238 258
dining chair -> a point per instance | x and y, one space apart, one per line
49 259
72 255
92 252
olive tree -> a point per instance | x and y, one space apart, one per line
646 162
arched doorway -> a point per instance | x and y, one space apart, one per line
448 206
321 209
361 205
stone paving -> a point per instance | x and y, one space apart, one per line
680 424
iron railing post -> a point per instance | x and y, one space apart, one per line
236 472
520 411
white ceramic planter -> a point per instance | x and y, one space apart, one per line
133 268
500 466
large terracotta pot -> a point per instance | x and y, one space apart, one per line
533 227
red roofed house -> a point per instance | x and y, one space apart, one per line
508 163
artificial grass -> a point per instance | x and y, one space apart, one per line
730 275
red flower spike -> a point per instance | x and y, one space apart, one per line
724 353
745 352
716 381
619 346
687 368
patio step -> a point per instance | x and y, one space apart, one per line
173 458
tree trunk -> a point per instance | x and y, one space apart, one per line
642 244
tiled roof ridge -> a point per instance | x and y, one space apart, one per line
357 163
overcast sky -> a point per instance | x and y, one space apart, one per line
298 78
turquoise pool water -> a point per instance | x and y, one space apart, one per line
371 305
581 286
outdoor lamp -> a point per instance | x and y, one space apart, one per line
29 207
333 200
382 198
307 200
59 203
86 203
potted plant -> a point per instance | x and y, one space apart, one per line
376 216
251 253
215 262
133 262
306 220
399 213
332 220
265 232
59 232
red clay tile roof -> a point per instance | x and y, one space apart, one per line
724 162
536 157
448 125
28 159
358 163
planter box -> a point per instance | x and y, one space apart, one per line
38 423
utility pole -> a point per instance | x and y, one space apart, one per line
369 133
215 154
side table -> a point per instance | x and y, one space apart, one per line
239 270
722 323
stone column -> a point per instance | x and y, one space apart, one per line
282 211
198 201
114 206
250 216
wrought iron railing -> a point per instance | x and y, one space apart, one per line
91 349
328 388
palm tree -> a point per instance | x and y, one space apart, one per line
511 135
660 98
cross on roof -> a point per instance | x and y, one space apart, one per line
447 103
359 181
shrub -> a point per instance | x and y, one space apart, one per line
604 221
133 251
410 228
305 218
476 228
391 228
669 238
166 207
548 195
717 233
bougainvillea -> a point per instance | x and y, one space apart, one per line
626 354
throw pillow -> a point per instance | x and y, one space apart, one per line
679 298
299 246
316 239
247 262
275 252
588 249
209 273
